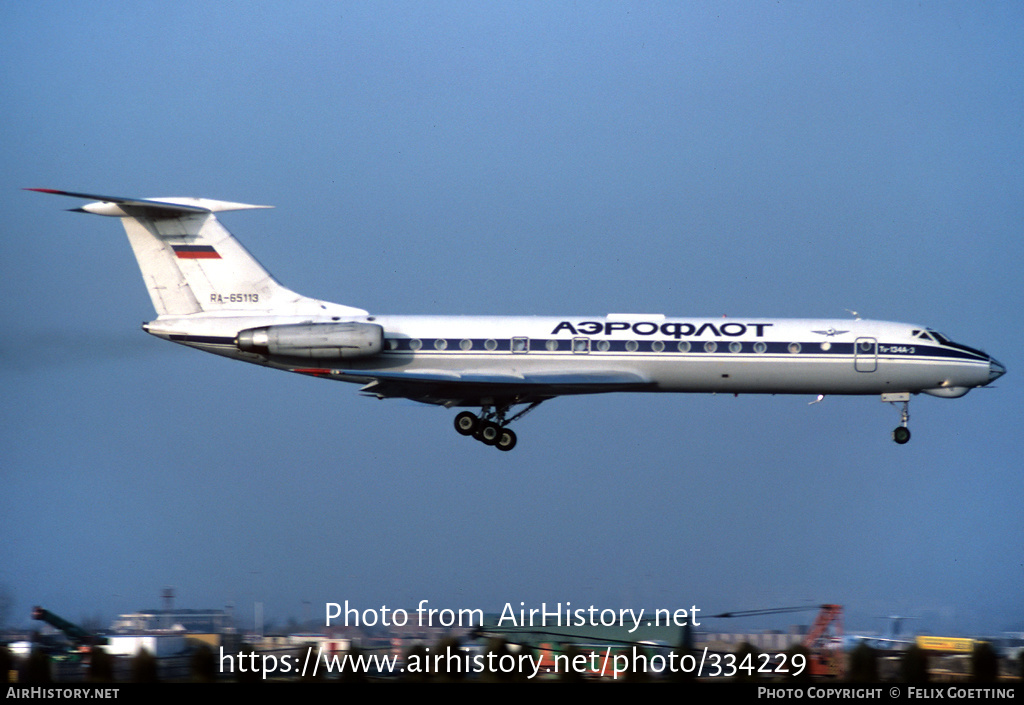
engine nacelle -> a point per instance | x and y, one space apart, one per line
314 340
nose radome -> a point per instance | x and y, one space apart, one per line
995 370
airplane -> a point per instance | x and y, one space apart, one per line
892 640
210 293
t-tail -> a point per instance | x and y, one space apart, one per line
192 264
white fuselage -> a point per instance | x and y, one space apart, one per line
733 355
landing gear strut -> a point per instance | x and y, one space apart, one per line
491 427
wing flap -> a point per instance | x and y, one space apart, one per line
451 388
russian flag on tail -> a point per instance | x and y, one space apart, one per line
195 252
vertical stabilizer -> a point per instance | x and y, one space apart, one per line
191 263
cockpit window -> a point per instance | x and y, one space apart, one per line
940 337
923 334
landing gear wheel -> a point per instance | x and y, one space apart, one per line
490 433
901 434
466 423
506 440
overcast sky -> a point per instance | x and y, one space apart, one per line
692 159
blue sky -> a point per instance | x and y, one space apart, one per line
750 159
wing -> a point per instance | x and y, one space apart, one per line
449 388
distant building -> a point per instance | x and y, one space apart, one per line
764 641
203 621
158 645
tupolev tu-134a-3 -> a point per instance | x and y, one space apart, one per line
210 293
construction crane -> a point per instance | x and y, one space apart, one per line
824 640
82 640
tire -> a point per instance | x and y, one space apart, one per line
901 434
466 423
490 432
506 440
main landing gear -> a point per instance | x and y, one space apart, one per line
491 427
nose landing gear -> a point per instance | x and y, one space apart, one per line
900 434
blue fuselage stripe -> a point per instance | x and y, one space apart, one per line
670 348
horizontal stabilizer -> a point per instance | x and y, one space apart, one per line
172 207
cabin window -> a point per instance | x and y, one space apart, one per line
632 346
440 344
657 346
552 345
794 348
710 346
684 346
735 346
520 345
581 345
604 346
415 344
760 347
392 344
491 344
466 344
